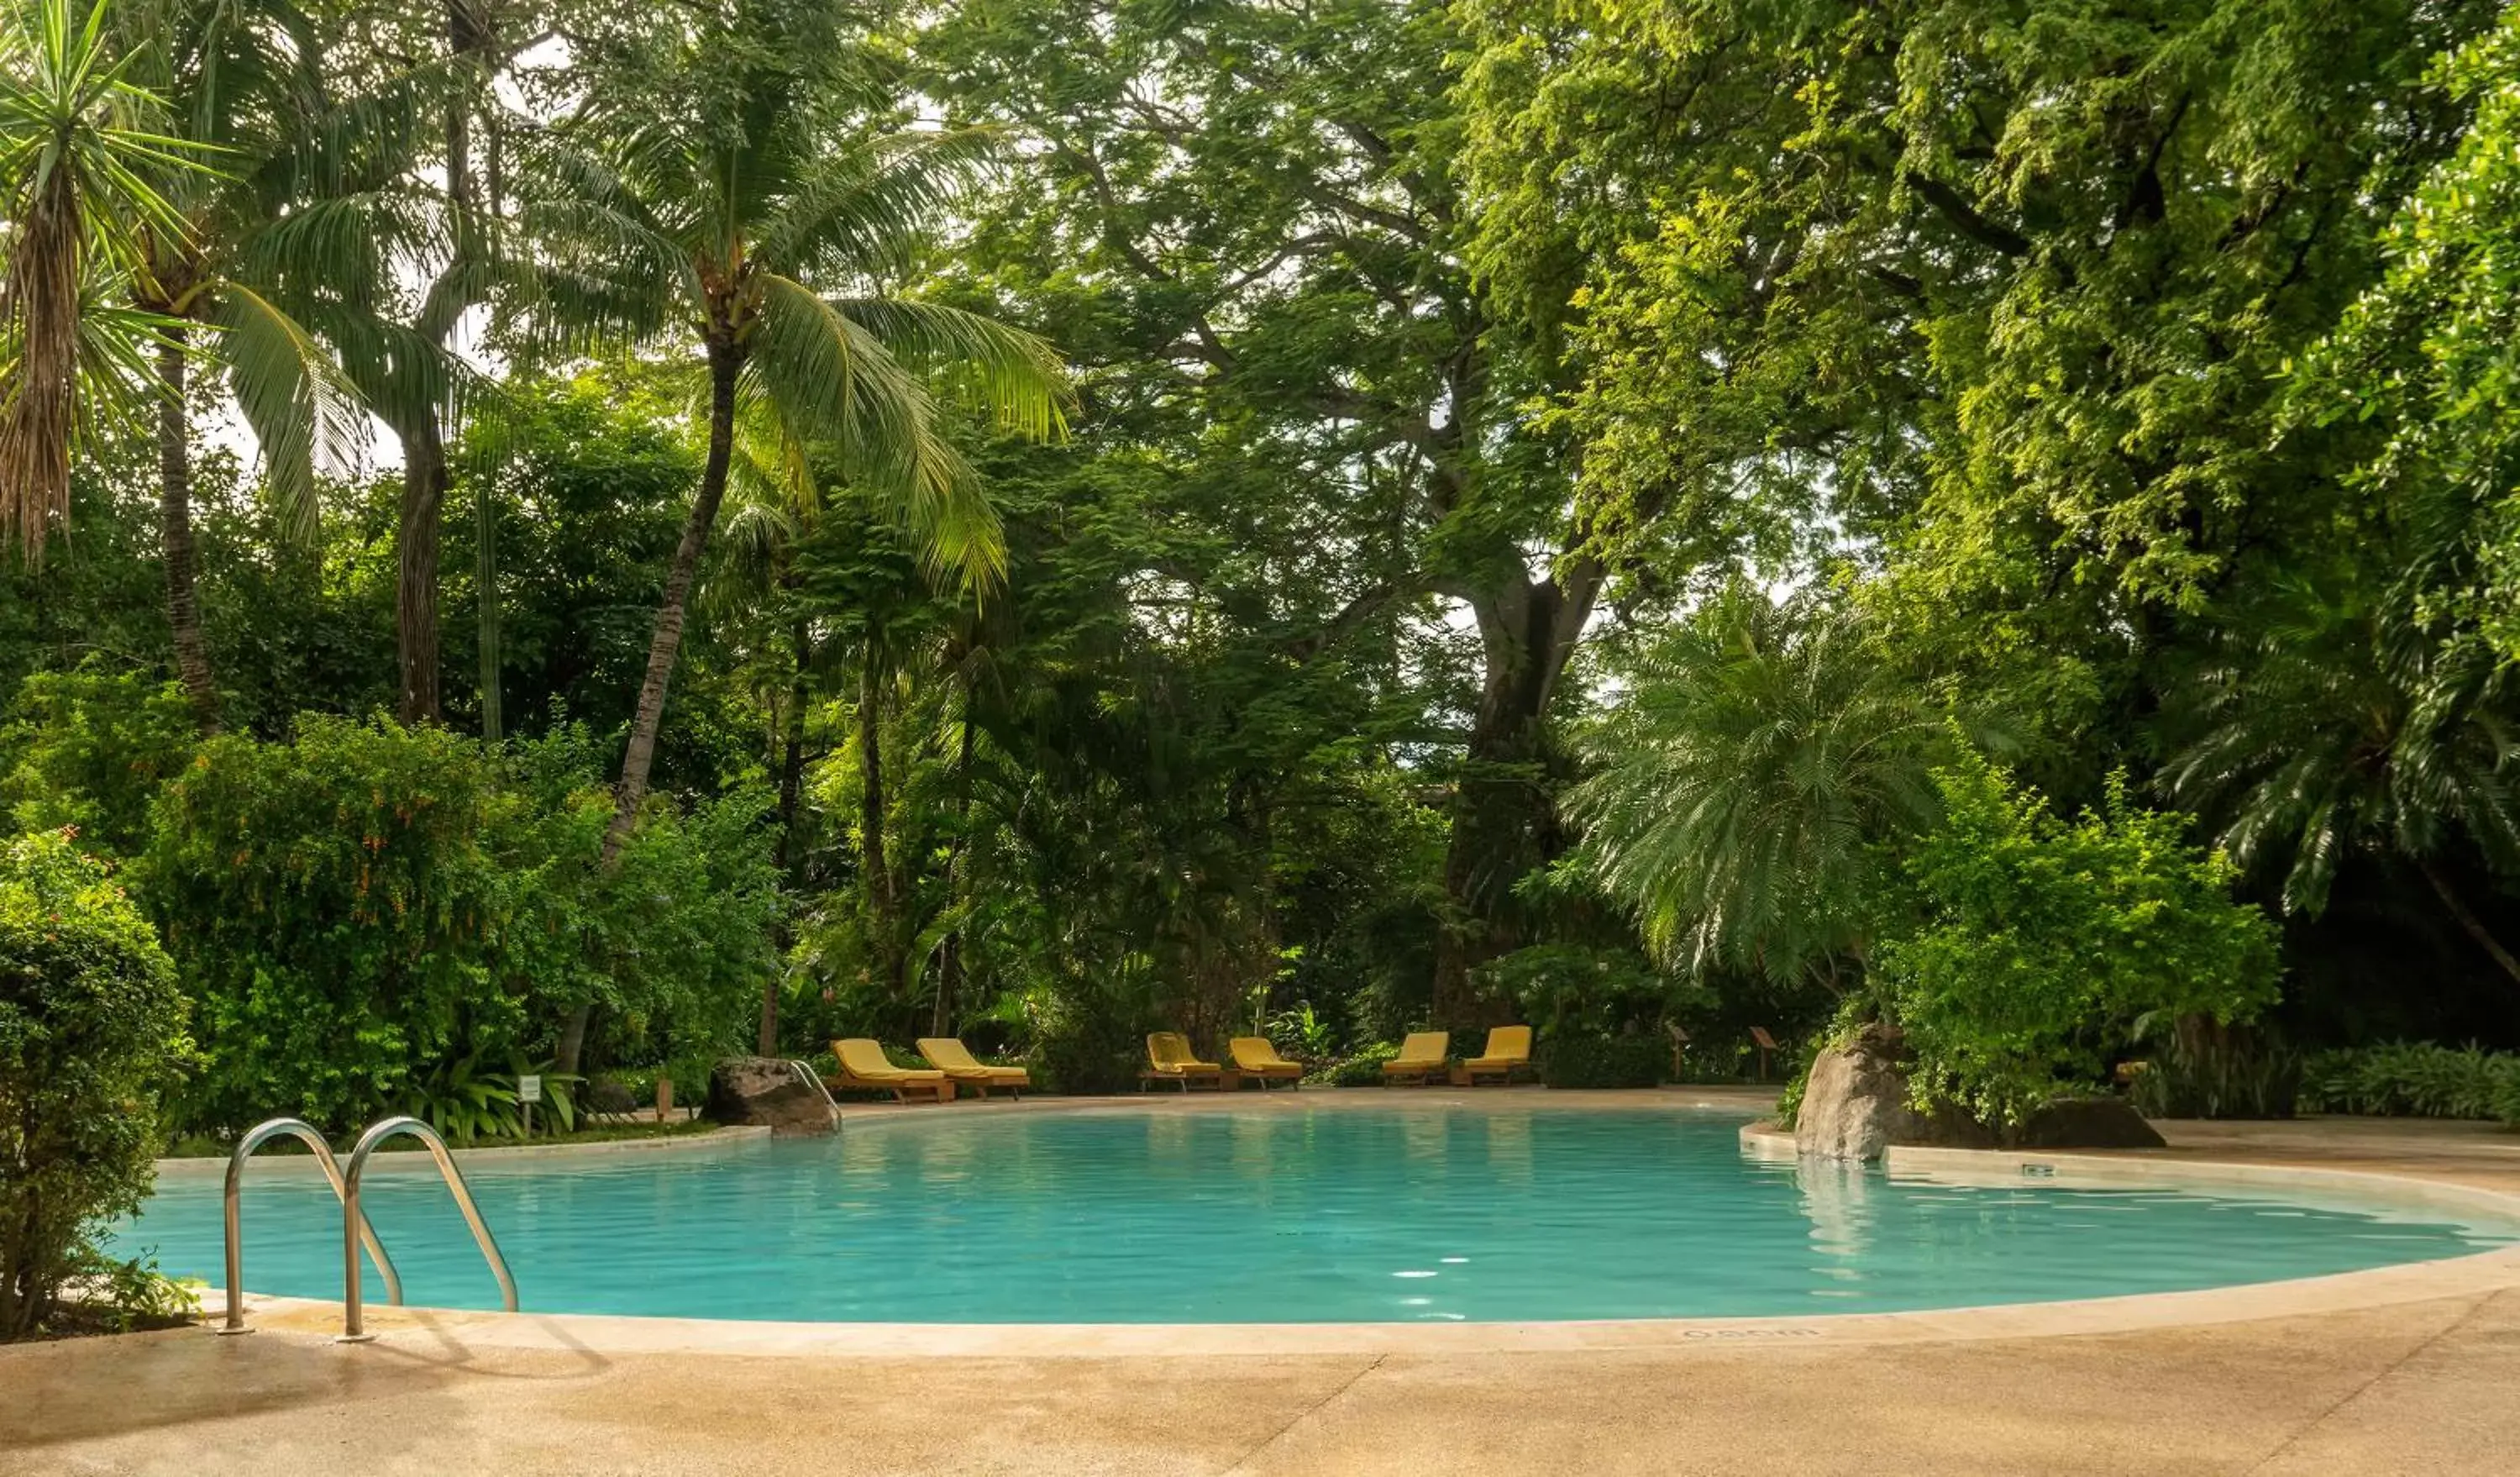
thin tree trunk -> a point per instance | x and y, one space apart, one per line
175 528
2474 925
791 786
883 903
486 584
949 964
424 498
725 365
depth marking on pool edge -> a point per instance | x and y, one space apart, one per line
1751 1333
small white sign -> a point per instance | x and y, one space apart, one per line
529 1089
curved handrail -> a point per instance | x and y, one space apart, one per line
254 1138
353 1302
814 1080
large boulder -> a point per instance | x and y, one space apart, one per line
770 1093
1855 1103
2087 1123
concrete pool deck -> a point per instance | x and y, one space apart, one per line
2416 1373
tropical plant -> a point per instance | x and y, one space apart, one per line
91 1034
84 160
240 86
2346 727
2028 948
2416 1079
91 749
1746 781
740 188
467 1104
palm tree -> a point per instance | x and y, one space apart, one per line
2344 728
748 195
239 77
83 163
1760 754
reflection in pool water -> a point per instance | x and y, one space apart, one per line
1282 1214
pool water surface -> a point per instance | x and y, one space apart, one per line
1275 1215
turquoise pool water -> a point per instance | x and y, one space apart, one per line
1270 1216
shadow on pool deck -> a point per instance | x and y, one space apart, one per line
2414 1387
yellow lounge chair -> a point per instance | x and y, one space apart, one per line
1421 1056
864 1067
1256 1056
1508 1050
1169 1058
956 1061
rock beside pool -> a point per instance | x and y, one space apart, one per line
1854 1104
770 1093
2087 1123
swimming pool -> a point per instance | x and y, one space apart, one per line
1275 1214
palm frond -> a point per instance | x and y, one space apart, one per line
1013 377
302 406
837 385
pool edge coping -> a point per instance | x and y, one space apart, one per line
2477 1274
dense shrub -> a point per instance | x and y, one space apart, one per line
1363 1067
1585 991
2029 947
2406 1079
378 918
91 1031
91 749
1589 1059
2197 1067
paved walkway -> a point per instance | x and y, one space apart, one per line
2431 1386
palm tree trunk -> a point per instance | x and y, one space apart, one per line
424 497
725 365
175 529
2467 921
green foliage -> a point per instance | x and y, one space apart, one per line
1592 1059
2198 1067
91 1036
2029 947
1363 1067
91 749
2406 1079
1579 990
1304 1033
369 910
344 906
2429 353
1763 755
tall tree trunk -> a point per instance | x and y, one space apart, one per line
883 898
424 497
424 440
726 365
792 788
2470 921
949 964
175 529
486 584
1503 815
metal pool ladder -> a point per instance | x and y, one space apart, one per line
355 1229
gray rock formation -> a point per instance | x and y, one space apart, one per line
1856 1106
1855 1102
